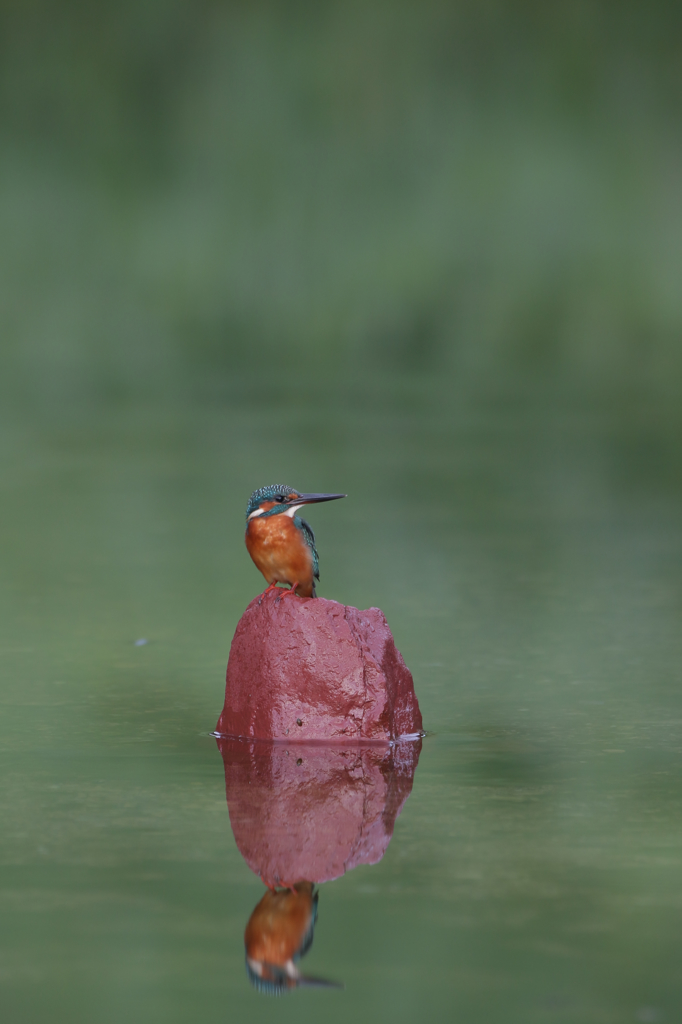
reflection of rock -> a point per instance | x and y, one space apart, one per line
313 812
310 669
304 814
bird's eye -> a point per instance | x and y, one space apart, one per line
280 497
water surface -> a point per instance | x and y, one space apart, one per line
529 565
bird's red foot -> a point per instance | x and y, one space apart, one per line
286 593
272 586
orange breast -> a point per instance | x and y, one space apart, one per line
278 925
280 552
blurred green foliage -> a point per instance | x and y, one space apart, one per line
427 253
195 194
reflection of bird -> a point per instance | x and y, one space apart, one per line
281 543
280 932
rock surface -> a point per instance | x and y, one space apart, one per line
304 669
311 812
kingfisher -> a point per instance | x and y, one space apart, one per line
281 543
280 932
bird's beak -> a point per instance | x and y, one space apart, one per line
308 499
305 981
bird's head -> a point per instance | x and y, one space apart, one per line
280 498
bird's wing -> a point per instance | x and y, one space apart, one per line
307 940
309 538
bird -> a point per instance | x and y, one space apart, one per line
278 933
281 544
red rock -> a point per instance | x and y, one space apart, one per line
311 812
304 669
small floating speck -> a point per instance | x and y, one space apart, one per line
141 642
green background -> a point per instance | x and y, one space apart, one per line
428 254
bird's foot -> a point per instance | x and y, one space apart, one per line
286 593
272 586
281 885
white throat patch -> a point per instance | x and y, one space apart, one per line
291 512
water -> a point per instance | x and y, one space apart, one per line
528 562
425 254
